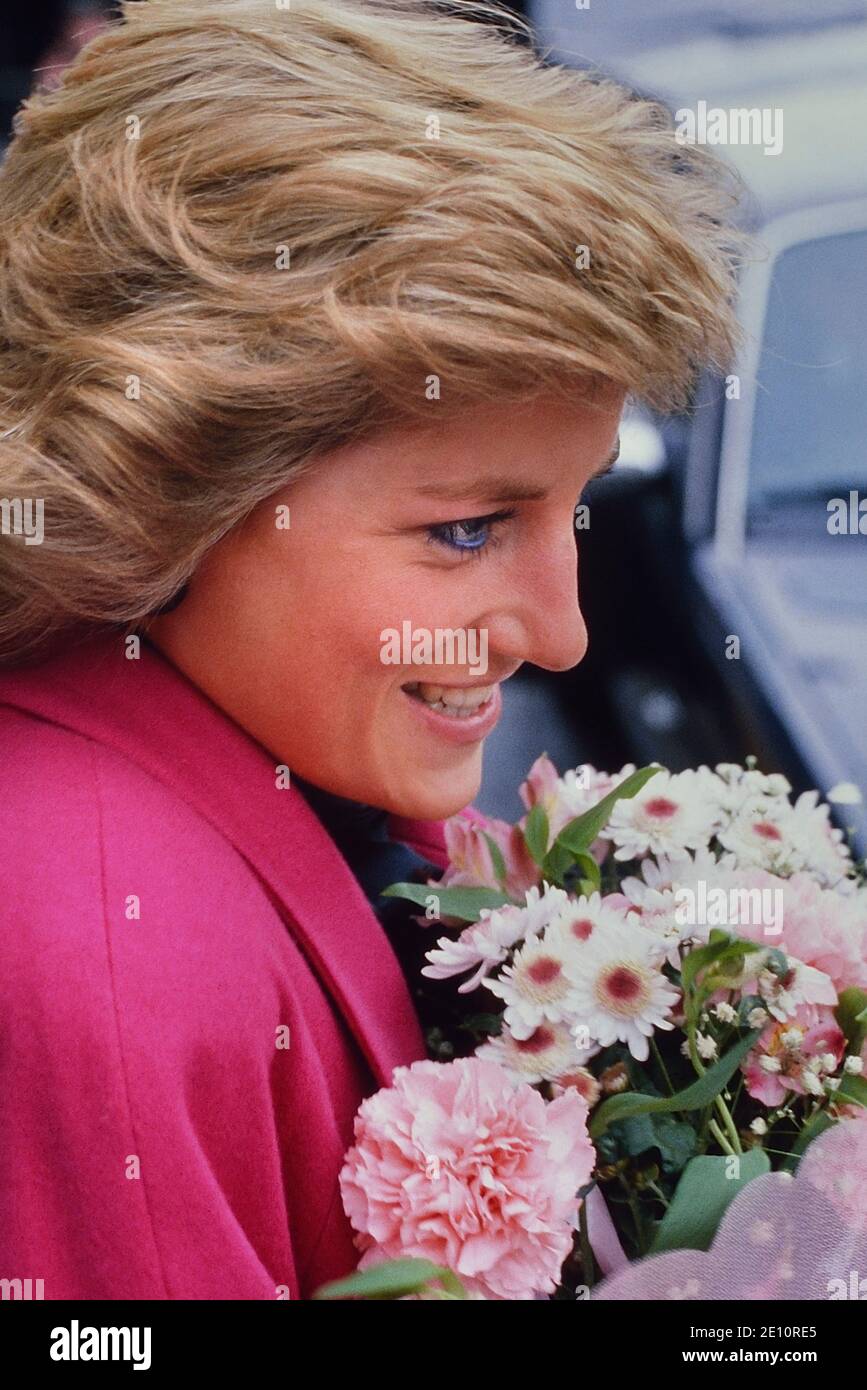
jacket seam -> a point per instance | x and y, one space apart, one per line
116 1010
302 1273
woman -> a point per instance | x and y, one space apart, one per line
316 323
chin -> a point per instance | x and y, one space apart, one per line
436 797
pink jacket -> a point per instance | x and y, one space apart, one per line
167 918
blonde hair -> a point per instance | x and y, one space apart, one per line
239 235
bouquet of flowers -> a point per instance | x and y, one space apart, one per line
666 976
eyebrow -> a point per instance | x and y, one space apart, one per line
501 489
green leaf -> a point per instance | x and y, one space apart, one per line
497 859
699 959
486 1025
851 1014
675 1140
631 1136
536 832
558 862
588 866
852 1090
580 833
722 950
392 1279
464 903
701 1198
694 1097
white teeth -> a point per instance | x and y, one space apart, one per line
457 701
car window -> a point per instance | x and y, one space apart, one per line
809 440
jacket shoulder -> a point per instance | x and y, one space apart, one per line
85 833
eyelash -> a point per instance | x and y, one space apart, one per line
439 534
442 534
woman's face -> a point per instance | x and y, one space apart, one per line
418 570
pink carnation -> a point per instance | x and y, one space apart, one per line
454 1163
822 928
826 930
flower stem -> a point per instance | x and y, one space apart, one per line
635 1208
724 1113
660 1194
720 1137
729 1123
659 1062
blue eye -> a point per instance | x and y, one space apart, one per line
471 534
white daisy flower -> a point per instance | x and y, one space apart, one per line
541 907
671 813
619 993
580 917
578 789
743 786
659 874
826 855
653 898
760 835
786 839
535 987
487 943
477 948
548 1053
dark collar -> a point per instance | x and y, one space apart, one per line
361 833
347 821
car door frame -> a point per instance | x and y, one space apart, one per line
714 503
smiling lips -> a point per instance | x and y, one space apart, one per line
458 702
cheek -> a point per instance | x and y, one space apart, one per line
346 620
330 643
319 614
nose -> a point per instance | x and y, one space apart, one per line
542 620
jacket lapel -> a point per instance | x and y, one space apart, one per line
154 715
